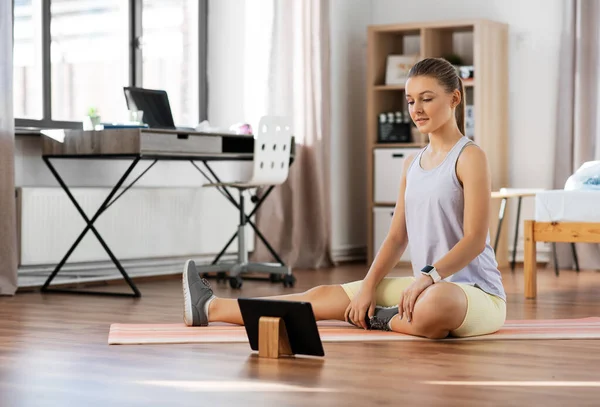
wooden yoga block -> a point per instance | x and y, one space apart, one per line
273 341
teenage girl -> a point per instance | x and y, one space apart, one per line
442 209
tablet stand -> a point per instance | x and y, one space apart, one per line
273 340
277 328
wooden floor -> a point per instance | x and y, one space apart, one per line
54 352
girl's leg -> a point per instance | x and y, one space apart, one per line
440 309
328 302
202 307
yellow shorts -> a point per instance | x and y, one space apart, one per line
486 313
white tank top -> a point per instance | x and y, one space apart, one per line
434 205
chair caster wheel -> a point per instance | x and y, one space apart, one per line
289 280
221 276
235 282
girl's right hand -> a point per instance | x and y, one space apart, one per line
362 305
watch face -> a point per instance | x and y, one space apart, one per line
427 269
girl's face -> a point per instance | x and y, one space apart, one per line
429 104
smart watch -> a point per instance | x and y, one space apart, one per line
431 272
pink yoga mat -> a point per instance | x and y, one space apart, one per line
335 331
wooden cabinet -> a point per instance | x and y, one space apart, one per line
482 44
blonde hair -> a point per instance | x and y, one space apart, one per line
446 74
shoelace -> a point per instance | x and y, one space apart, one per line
205 282
379 324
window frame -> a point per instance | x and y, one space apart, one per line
135 64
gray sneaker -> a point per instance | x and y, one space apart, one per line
381 318
196 293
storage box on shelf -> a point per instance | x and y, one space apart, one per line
480 44
388 173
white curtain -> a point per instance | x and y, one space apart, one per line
578 113
287 73
8 230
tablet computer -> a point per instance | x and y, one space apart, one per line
299 319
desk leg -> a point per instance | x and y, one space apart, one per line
89 226
514 255
575 259
530 273
555 257
500 219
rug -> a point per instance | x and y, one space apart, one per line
336 331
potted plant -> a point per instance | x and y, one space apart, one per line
92 120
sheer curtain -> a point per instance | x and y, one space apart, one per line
8 231
578 114
287 73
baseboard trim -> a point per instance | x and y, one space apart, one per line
348 253
105 271
543 255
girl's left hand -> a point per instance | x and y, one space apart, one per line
409 296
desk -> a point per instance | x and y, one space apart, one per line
27 131
141 144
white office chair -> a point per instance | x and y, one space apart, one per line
272 145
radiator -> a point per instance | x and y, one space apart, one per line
144 224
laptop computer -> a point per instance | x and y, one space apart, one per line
155 105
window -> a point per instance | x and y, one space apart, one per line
27 59
170 54
73 55
89 58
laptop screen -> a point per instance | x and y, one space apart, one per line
154 104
